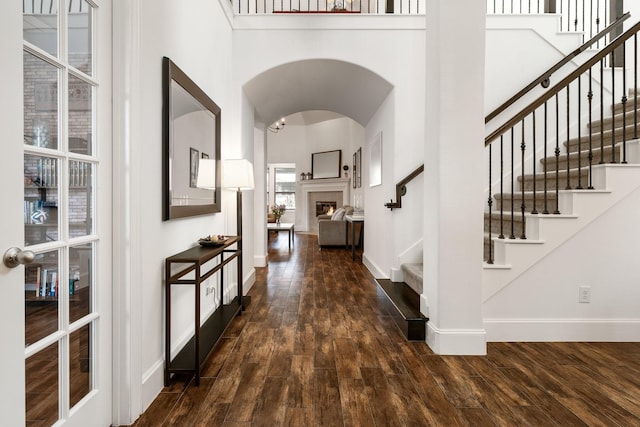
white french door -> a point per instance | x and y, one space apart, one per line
56 161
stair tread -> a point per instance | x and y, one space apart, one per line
396 292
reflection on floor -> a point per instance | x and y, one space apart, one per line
42 369
317 347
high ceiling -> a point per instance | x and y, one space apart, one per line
317 85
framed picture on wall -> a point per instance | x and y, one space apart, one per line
358 173
375 161
193 167
354 171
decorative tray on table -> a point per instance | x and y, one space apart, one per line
213 240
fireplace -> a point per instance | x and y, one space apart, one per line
325 207
319 190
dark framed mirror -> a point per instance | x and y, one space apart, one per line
326 164
191 152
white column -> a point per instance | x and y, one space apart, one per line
454 147
260 198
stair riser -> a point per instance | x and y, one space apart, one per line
619 120
551 182
518 225
596 142
528 204
550 163
617 109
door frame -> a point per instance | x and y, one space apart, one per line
127 299
12 399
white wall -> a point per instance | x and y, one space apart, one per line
400 117
296 143
542 304
197 38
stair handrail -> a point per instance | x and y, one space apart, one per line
545 78
563 83
401 188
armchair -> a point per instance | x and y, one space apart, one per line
332 229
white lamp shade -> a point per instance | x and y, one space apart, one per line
206 174
237 174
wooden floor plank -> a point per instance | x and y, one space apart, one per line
316 348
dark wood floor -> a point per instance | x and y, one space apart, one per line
316 347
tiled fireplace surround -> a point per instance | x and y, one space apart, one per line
314 190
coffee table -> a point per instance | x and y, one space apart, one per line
283 226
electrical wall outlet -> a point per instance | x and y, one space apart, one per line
584 294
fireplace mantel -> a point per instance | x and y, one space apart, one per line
319 185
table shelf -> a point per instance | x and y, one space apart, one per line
191 356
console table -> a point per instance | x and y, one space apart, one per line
195 352
353 220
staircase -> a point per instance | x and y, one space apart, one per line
513 227
589 123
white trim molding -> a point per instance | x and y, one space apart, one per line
318 185
127 297
457 342
531 330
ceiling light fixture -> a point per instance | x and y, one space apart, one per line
277 126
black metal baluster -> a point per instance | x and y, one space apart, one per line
598 23
523 146
635 86
579 187
624 103
590 98
546 162
601 111
534 210
501 236
590 18
613 100
575 21
490 203
512 236
583 20
557 153
568 187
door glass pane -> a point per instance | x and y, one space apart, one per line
41 293
41 196
80 281
80 199
80 114
41 381
80 364
79 19
40 102
40 24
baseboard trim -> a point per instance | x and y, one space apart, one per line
373 269
249 281
259 260
457 342
532 330
152 383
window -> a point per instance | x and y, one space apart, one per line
285 187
